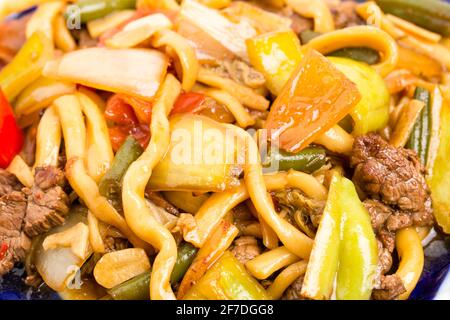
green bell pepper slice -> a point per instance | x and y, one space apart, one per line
358 254
439 177
345 248
372 112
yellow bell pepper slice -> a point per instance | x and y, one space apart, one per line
275 55
27 65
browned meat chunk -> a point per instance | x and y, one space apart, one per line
48 204
246 248
394 176
388 239
378 212
390 288
12 38
399 220
345 15
384 259
8 183
299 23
293 291
240 72
14 244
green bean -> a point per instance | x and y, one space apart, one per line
110 185
420 135
136 288
95 9
186 254
361 54
307 160
433 15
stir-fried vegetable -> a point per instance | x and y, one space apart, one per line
138 31
275 55
133 289
209 253
27 65
372 111
405 125
59 266
316 97
196 160
344 247
433 15
262 20
227 279
137 72
358 256
119 266
186 254
76 238
420 135
40 94
100 26
230 35
186 201
308 160
137 287
440 172
110 185
94 9
11 138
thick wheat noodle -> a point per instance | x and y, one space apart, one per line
74 132
315 9
245 95
137 212
233 105
185 53
410 252
219 204
48 139
99 154
285 278
22 171
360 36
271 261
